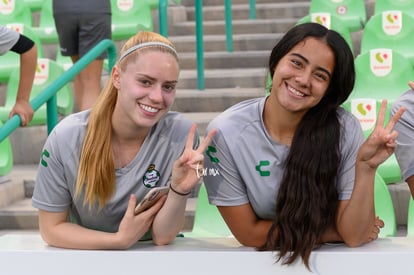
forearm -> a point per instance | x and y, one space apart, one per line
73 236
170 219
358 217
257 235
28 63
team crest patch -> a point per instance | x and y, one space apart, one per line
151 177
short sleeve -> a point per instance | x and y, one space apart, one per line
51 192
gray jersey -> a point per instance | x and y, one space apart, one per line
404 151
58 169
245 165
8 38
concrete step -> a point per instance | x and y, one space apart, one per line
211 100
241 42
202 120
242 11
225 78
244 26
226 59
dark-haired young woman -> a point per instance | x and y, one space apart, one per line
292 169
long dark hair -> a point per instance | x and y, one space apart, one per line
307 200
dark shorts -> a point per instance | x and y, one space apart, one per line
79 33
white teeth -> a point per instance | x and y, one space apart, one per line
296 92
148 108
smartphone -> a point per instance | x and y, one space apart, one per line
151 198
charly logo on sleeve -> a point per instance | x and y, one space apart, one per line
151 177
212 150
259 168
45 154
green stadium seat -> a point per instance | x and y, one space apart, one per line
410 218
330 21
47 71
384 207
352 12
389 5
129 17
208 222
15 11
11 60
46 31
64 61
390 29
34 5
380 74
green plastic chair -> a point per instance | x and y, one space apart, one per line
380 74
384 207
331 21
153 4
34 5
46 31
208 222
129 17
389 5
352 12
6 156
47 71
410 218
11 60
64 61
366 111
390 29
15 11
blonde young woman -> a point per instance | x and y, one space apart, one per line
96 164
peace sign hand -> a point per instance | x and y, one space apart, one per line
381 143
188 169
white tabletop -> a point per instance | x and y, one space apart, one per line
28 254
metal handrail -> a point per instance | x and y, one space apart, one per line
48 95
163 17
229 28
229 34
252 10
199 44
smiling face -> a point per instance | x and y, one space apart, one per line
303 75
146 88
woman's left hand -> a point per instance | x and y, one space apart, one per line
188 169
381 143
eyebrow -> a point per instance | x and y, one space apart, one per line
307 62
153 79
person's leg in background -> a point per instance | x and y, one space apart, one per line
87 84
78 34
93 29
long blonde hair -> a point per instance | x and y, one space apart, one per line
96 174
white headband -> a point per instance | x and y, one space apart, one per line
146 44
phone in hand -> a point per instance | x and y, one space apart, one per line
151 198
